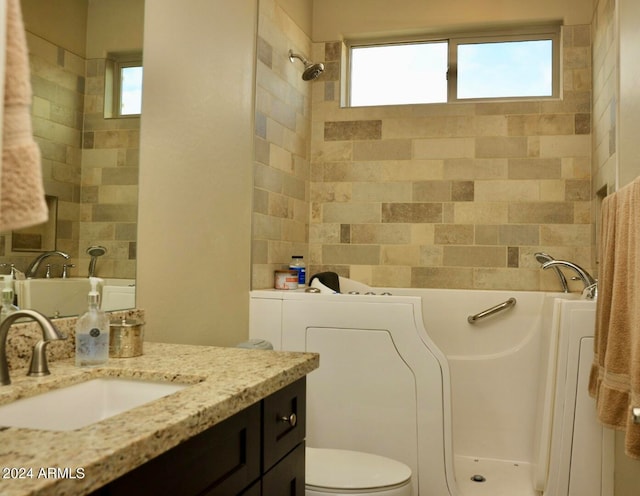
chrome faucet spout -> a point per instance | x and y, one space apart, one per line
32 270
545 257
39 362
590 284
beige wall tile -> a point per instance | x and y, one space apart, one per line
442 277
441 148
507 190
352 130
351 254
351 213
474 256
385 276
381 192
405 255
541 213
382 150
453 234
500 147
481 213
412 212
380 234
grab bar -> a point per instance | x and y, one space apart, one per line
472 319
636 415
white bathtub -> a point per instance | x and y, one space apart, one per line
407 376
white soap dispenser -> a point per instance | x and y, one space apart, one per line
92 331
7 298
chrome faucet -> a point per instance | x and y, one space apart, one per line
32 270
39 366
590 284
545 257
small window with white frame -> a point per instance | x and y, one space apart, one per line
520 63
123 85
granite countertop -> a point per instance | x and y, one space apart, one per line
224 382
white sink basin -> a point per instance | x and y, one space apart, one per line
76 406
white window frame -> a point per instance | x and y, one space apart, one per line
518 33
112 87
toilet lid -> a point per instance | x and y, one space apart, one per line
341 469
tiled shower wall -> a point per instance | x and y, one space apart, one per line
281 165
109 195
89 163
453 195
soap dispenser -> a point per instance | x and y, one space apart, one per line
92 331
7 298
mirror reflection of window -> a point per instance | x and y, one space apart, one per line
131 90
123 85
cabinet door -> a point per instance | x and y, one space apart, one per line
221 461
284 422
287 477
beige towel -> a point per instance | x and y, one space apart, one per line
615 374
22 202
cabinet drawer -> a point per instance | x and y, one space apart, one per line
287 477
284 422
220 461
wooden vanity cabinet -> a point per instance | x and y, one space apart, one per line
257 452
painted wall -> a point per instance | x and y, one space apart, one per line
629 99
194 233
70 28
335 19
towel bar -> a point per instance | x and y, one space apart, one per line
472 319
636 415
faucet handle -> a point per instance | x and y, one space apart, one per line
39 366
65 270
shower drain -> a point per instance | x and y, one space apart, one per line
478 478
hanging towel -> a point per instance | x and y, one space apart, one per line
615 374
22 201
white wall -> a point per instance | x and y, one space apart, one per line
335 19
194 233
629 87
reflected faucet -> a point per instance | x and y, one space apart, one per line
32 270
39 366
590 284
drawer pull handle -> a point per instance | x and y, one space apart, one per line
292 420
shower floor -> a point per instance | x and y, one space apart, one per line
502 478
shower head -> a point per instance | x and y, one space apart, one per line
94 252
311 70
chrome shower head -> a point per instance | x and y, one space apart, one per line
311 70
94 252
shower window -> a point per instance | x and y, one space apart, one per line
514 64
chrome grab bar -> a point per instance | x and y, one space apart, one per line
472 319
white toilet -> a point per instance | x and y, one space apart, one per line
331 472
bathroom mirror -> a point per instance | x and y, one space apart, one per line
89 162
38 238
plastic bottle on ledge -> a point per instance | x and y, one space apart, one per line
92 331
7 298
297 264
